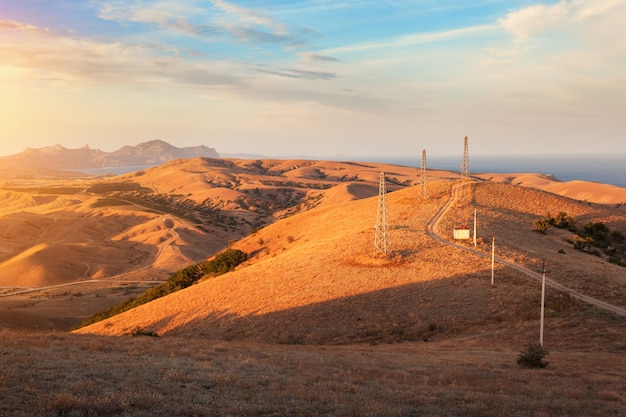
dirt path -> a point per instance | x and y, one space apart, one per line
169 243
432 229
70 284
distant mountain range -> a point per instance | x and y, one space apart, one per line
57 157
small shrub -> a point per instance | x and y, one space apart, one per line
618 236
560 221
542 225
141 332
598 231
532 357
563 221
582 243
561 251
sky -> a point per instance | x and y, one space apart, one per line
315 77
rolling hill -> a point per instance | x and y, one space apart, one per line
314 323
576 189
313 278
152 222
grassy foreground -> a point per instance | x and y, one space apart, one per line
58 374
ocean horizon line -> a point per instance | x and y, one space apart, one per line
600 168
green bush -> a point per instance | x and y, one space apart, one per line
224 262
532 357
618 236
597 231
592 235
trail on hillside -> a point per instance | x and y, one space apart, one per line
432 229
70 284
169 243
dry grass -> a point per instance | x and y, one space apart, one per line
63 230
508 213
315 324
578 190
63 308
52 374
313 279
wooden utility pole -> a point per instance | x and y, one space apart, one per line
493 258
424 178
543 300
474 227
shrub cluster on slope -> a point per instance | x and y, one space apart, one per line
592 238
560 221
183 278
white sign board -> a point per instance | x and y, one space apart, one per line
461 233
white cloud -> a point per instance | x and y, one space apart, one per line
414 39
172 16
48 59
566 62
72 62
311 57
585 8
530 21
248 17
538 19
209 20
11 25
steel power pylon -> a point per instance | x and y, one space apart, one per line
381 233
465 166
424 185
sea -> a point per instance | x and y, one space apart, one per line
607 169
114 170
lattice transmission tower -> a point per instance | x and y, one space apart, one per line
381 229
424 184
465 166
